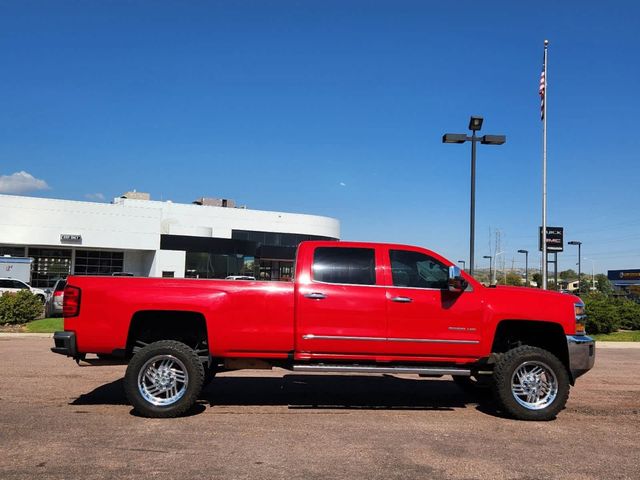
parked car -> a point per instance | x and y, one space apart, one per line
57 298
240 277
15 285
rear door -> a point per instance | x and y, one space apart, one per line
341 310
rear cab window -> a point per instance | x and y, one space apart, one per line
344 265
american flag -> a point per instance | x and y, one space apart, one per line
542 92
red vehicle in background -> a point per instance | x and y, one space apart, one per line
352 307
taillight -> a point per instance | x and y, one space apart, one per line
59 293
71 302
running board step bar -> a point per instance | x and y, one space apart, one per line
374 369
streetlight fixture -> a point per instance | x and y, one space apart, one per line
464 264
490 268
579 244
526 266
475 124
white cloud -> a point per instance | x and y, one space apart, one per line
342 184
95 196
21 182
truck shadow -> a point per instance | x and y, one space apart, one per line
298 391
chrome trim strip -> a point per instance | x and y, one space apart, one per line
375 369
311 336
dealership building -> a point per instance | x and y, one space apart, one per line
209 238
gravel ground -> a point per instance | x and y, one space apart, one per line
62 421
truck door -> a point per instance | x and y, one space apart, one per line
424 318
341 308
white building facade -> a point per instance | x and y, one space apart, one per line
152 238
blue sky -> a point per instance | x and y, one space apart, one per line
336 108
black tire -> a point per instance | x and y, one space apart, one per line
157 371
510 389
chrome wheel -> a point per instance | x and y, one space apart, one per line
534 385
163 380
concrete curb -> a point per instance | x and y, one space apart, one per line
25 335
603 344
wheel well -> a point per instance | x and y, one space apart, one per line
546 335
150 326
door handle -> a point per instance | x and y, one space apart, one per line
401 299
315 295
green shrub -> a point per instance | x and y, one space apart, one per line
607 314
602 314
21 307
629 312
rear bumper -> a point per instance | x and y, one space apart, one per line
582 354
65 344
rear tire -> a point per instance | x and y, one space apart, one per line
530 383
164 379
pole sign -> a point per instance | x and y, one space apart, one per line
555 239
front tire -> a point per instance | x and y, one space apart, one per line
164 379
530 383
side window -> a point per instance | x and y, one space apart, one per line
415 269
6 284
354 266
20 285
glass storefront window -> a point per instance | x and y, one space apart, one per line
208 265
12 251
98 262
49 265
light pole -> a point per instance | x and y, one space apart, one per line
475 124
490 269
593 276
579 244
464 264
526 266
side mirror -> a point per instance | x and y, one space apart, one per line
455 281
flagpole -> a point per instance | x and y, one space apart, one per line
544 173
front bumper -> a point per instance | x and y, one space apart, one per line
65 344
582 354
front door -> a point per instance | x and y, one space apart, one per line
424 317
342 310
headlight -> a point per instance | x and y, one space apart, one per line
580 318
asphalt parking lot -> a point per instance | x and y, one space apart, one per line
62 421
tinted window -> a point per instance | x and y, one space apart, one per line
355 266
60 284
20 285
6 284
415 269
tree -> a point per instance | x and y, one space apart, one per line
537 279
568 275
603 284
513 278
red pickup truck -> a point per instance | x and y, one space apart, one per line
352 307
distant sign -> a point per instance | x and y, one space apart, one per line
68 238
555 239
624 277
